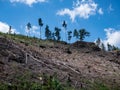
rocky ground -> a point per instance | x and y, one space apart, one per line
81 63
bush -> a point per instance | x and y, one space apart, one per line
25 83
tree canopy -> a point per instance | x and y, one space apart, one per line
40 24
47 32
57 33
82 34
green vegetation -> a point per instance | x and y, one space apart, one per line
112 47
65 28
75 34
81 34
28 28
40 24
33 41
100 86
57 33
24 82
69 35
48 32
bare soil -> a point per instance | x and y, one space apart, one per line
82 63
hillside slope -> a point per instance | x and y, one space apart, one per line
82 65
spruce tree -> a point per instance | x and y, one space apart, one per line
40 24
76 34
65 27
47 32
82 34
69 35
29 27
57 33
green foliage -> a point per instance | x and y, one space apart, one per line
51 83
69 35
112 48
40 24
103 47
100 44
82 34
53 36
109 47
76 34
65 27
29 27
3 86
9 32
24 83
57 33
100 86
64 24
48 32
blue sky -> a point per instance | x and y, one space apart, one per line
99 17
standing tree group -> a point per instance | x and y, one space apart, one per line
111 47
56 35
108 47
80 34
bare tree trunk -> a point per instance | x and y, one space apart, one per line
40 32
26 58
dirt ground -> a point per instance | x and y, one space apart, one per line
80 62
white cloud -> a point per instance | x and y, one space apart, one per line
28 2
4 27
81 8
33 31
110 8
112 37
100 11
34 28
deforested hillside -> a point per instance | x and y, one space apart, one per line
31 64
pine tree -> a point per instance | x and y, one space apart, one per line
115 48
76 34
29 27
103 47
98 42
40 24
82 34
53 36
69 35
109 47
47 32
65 27
57 33
9 32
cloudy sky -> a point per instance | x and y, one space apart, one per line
99 17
